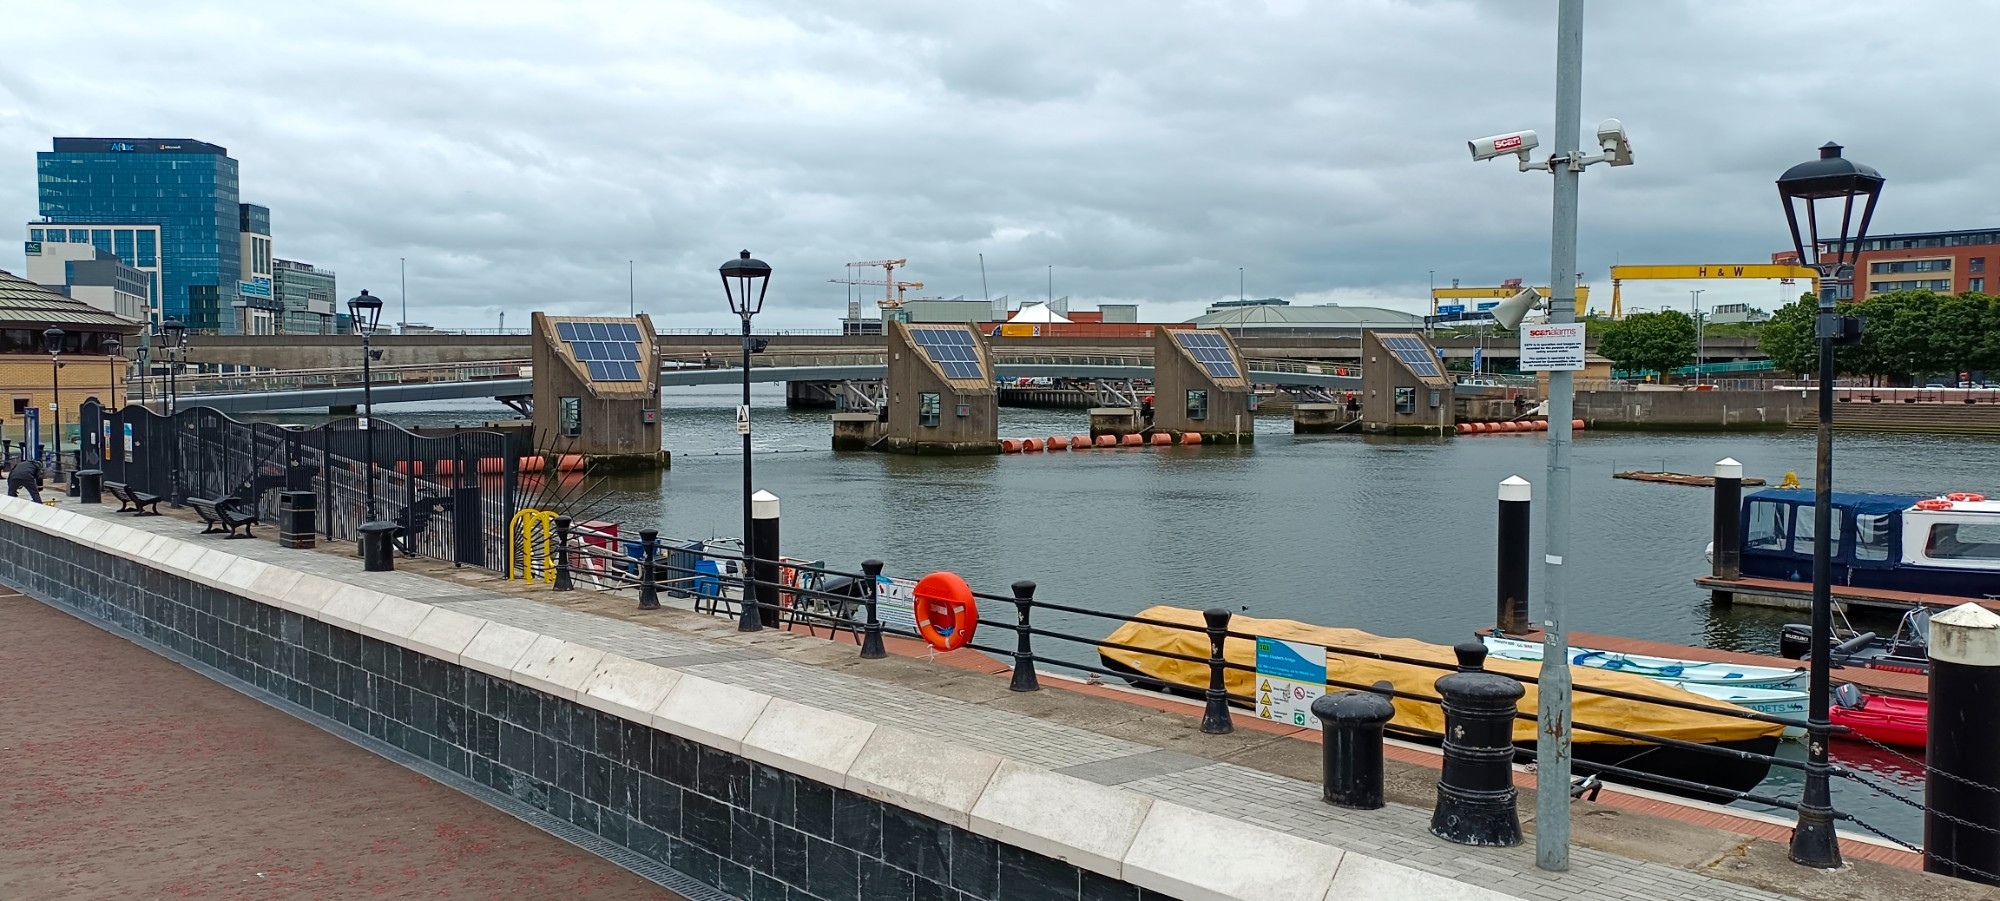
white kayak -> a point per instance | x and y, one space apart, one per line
1786 702
1665 669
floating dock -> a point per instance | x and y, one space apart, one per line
1675 478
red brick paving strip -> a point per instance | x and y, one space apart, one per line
125 775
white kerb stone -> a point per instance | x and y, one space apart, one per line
62 522
156 549
307 595
627 688
243 573
392 620
209 569
131 543
182 558
349 606
924 775
818 744
1069 819
712 713
443 634
1197 856
556 666
1367 877
496 649
93 531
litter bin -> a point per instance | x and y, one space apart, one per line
90 486
297 519
378 546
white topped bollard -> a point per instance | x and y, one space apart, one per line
1726 530
1961 800
764 526
1511 593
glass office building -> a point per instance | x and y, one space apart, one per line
188 188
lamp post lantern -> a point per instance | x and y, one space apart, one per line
111 348
366 312
53 337
1825 189
744 281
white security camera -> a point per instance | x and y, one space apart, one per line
1516 142
1511 311
1611 137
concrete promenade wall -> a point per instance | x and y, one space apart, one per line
756 795
1691 410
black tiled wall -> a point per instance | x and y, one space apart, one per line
751 830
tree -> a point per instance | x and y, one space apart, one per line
1788 337
1662 341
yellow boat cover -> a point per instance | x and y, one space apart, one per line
1418 716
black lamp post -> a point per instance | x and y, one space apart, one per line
744 281
53 337
1825 188
111 348
366 311
176 337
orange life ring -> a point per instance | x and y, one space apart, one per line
1935 503
1965 496
946 612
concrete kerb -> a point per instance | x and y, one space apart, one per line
1366 877
443 634
348 607
393 619
93 531
818 744
180 558
944 787
1259 864
209 569
496 648
712 713
557 667
1092 826
243 573
627 688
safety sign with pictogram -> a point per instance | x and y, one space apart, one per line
1290 675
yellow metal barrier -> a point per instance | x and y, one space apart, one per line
531 546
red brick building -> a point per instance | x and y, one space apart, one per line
1943 262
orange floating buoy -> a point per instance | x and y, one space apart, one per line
1010 445
1132 440
1107 441
1541 425
1081 442
1162 438
1576 423
1058 442
569 463
1031 446
1470 428
1190 437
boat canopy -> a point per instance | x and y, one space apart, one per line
1857 502
1777 529
1350 659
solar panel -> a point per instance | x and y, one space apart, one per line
628 331
566 331
952 350
1211 352
1415 355
609 350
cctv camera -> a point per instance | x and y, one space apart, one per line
1518 142
1611 137
1511 311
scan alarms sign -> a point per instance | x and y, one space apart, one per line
1504 144
1548 348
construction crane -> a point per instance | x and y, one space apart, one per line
1785 273
892 290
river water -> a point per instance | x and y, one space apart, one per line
1391 536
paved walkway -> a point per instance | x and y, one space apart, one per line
126 775
1397 833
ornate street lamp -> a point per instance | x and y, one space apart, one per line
1825 189
366 312
53 338
176 338
111 348
744 281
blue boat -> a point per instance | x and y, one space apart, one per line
1942 546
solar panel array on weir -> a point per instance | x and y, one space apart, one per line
610 350
1211 352
952 350
1413 352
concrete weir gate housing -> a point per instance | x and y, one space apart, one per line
597 389
941 396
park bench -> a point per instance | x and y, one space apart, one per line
225 515
130 501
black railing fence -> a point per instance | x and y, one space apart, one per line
452 496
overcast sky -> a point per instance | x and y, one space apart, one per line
518 154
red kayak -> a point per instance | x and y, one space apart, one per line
1898 722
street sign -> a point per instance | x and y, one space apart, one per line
1290 676
362 423
743 419
1552 347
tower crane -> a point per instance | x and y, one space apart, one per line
892 290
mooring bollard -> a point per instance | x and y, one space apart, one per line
764 520
1215 719
1726 529
563 580
1351 723
1476 795
871 630
1961 804
1024 654
377 546
1513 531
649 580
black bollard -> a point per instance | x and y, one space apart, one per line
764 522
1511 594
1476 795
1024 654
649 578
1215 719
90 486
871 630
1352 723
378 546
1726 532
1961 805
563 580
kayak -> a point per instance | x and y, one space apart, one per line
1668 669
1898 722
1774 701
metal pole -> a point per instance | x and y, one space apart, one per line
1694 306
403 288
1813 841
55 385
750 620
631 288
1552 739
368 422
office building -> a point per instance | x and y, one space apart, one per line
1945 262
50 250
186 188
305 295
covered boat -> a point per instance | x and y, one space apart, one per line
1355 660
1942 545
1671 669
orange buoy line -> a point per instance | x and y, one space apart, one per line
1510 427
1086 442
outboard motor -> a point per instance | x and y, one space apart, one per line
1795 641
1847 697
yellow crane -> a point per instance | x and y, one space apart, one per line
1783 271
892 290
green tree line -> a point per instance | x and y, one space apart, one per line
1909 334
1662 341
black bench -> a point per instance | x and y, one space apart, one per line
135 502
226 515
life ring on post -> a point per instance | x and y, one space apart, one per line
946 612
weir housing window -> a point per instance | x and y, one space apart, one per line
570 416
1406 400
928 407
1197 407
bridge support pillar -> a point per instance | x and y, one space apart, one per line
1318 419
1115 421
857 431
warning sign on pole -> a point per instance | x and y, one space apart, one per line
743 419
1290 676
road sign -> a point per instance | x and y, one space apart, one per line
743 419
1290 676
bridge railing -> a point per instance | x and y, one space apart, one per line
343 377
